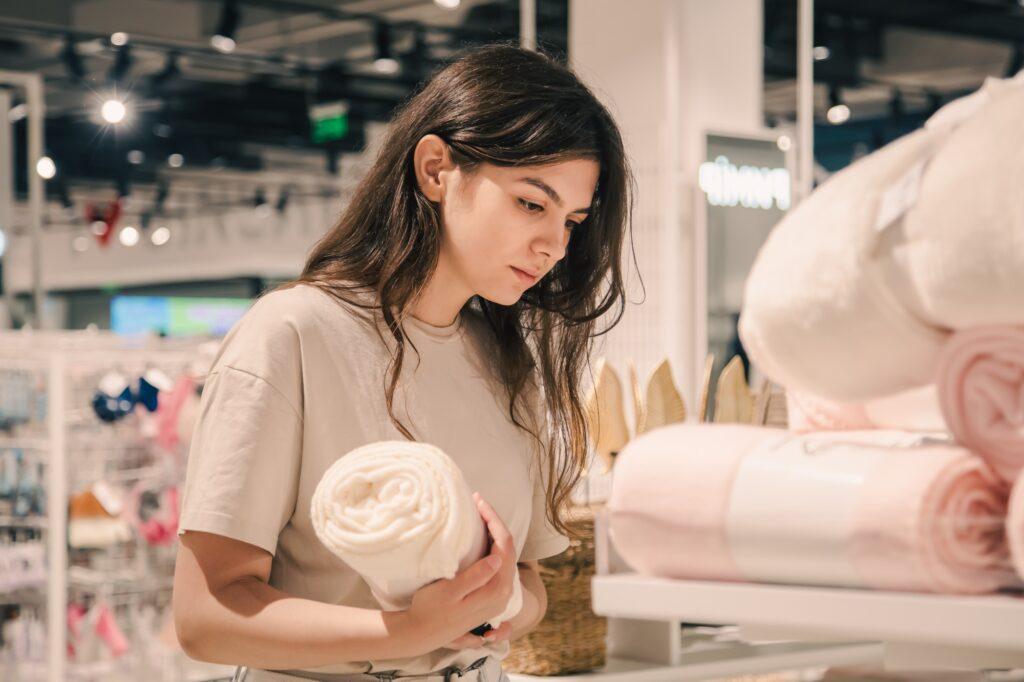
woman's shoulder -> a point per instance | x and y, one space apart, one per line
307 308
269 337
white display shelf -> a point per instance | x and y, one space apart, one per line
916 629
727 660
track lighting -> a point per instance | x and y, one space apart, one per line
384 61
224 39
837 112
122 65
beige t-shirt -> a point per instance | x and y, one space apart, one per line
297 383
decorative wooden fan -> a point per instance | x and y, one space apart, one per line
705 390
733 400
639 409
606 415
665 405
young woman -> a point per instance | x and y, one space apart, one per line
487 236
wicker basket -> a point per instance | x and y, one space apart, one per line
571 638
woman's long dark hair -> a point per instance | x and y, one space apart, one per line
506 106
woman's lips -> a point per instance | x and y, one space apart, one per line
524 277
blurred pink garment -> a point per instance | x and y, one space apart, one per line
980 377
108 630
925 516
169 407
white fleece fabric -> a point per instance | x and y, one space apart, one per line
843 304
401 514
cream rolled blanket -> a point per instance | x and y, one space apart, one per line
402 516
856 290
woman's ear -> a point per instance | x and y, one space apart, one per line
432 161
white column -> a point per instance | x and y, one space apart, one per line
668 70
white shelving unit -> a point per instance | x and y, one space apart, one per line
67 365
786 627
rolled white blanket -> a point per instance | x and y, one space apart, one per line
402 516
855 291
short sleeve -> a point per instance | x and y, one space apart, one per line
244 459
542 540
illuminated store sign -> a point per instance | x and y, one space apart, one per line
747 186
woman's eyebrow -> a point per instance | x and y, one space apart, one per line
547 189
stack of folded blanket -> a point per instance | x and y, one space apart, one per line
890 305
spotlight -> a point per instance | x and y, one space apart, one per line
384 62
837 112
260 202
46 167
162 190
136 157
128 236
119 38
113 111
784 143
98 227
224 39
169 72
821 53
160 236
897 108
447 4
72 62
80 244
1016 60
175 160
17 112
122 65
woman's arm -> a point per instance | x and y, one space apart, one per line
225 612
535 600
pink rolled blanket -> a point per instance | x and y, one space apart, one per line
870 509
980 378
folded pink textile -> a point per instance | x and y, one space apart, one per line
847 508
913 410
980 377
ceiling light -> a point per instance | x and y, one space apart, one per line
46 167
113 111
175 160
452 4
784 143
160 236
384 61
821 53
119 38
224 39
129 236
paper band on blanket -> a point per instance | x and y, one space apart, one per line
792 510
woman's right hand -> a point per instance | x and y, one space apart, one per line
449 608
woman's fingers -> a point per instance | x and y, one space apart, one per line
496 527
477 575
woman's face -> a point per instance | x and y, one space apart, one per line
502 219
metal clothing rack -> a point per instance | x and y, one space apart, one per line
75 448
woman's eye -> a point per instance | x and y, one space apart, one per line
530 206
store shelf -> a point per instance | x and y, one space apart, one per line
953 630
728 659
